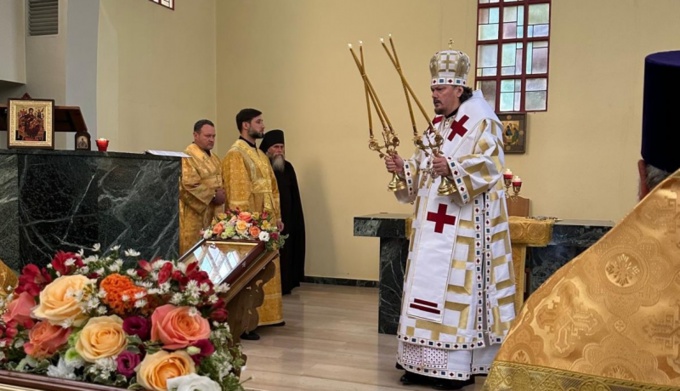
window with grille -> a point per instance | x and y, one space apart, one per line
166 3
513 41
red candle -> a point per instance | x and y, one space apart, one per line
517 181
102 144
507 174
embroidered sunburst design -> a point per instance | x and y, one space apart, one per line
623 270
618 372
520 357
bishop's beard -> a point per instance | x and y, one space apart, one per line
278 163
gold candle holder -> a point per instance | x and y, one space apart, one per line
391 141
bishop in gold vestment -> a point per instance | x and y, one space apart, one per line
201 179
251 186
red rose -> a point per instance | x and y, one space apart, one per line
219 315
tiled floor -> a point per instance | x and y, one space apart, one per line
330 343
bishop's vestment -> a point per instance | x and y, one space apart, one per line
251 186
201 176
459 286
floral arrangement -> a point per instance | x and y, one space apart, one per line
235 224
158 326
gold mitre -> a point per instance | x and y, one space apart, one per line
449 67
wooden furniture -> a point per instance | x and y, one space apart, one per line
525 232
246 266
518 206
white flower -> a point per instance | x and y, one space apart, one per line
176 299
193 382
61 370
131 253
115 248
140 303
96 247
81 252
207 234
264 236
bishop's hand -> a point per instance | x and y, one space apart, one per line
394 164
440 166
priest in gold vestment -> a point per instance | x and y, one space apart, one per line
608 320
201 193
251 186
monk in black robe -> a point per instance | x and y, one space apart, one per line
293 252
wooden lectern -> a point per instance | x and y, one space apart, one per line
246 266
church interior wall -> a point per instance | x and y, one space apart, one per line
291 60
159 70
156 73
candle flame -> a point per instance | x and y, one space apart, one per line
349 45
382 40
361 42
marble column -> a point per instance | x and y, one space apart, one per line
393 231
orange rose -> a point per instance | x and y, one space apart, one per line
157 368
218 229
245 216
100 338
19 310
254 231
178 327
44 339
57 301
241 226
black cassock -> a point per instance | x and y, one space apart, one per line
293 252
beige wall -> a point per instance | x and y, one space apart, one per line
156 73
290 59
12 42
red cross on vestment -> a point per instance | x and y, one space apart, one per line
441 218
458 127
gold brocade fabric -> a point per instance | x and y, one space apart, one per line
526 232
609 319
520 377
8 279
251 186
530 232
201 176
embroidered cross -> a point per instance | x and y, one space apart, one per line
458 128
441 218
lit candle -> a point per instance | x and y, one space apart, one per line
102 144
516 181
507 174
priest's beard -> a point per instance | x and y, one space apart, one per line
278 162
254 134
